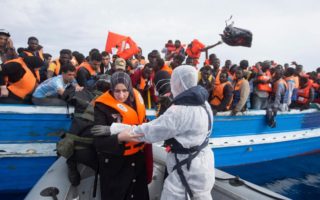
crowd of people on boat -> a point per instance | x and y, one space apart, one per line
31 76
110 93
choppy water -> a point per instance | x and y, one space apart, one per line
296 177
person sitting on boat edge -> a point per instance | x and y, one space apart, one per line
17 81
122 166
186 126
50 91
262 87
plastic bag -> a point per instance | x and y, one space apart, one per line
234 36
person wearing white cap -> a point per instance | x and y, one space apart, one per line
7 51
186 126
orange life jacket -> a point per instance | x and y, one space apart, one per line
36 71
194 49
26 84
88 67
237 92
167 69
129 116
315 86
55 67
303 95
264 86
217 94
218 78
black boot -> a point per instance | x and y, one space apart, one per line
73 174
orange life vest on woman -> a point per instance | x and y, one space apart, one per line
88 67
129 116
303 95
26 84
217 94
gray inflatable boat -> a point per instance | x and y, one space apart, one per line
54 184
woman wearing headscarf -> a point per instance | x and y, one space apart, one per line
122 166
186 127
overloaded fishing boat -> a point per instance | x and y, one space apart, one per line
29 133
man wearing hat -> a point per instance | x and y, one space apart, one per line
7 51
120 64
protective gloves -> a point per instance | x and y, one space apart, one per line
116 128
100 130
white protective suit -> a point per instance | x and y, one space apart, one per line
189 126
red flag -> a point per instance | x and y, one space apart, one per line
114 40
125 45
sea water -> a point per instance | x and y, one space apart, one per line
295 177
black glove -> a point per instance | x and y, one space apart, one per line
100 130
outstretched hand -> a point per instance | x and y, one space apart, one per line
128 135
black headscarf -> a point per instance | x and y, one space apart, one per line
124 78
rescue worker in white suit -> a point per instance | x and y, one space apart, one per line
186 127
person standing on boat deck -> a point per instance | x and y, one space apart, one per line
88 70
279 97
186 127
17 81
55 66
241 93
291 83
50 91
221 97
122 166
262 87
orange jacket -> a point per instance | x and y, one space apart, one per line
55 67
194 49
167 69
129 116
303 95
217 94
88 67
264 86
26 84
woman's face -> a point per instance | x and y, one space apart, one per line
121 93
